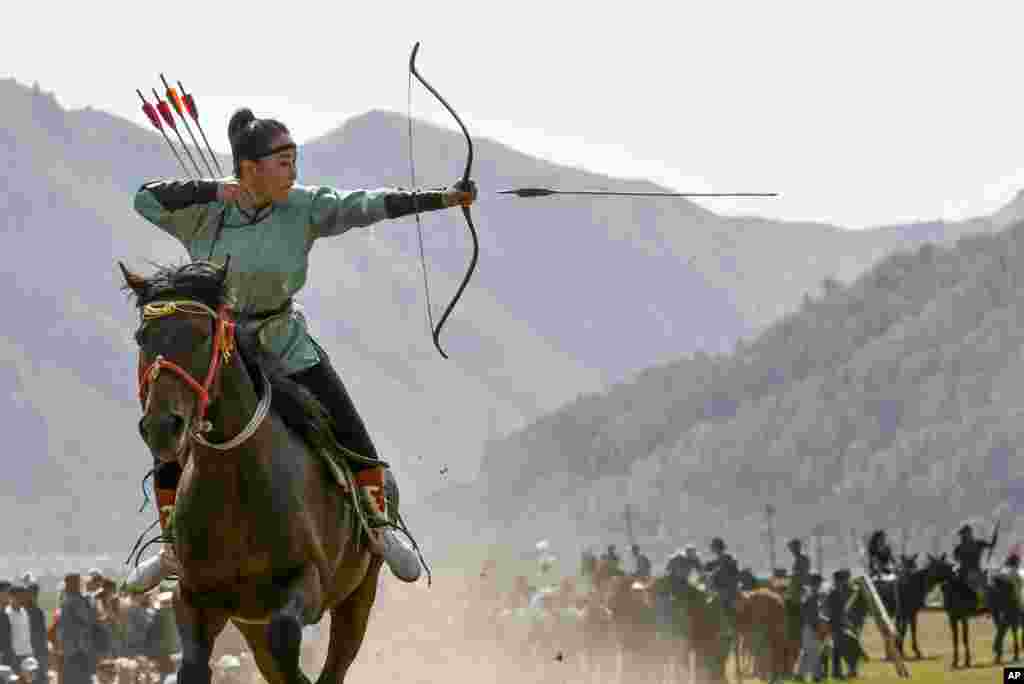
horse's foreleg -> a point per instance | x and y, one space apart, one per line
348 627
284 630
954 629
967 642
913 634
197 629
997 642
1014 621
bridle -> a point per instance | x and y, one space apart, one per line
223 350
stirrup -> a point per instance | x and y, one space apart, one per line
401 558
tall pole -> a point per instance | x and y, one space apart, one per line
819 549
629 526
769 520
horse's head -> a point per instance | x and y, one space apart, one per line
939 567
185 336
909 563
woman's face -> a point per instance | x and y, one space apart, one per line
272 177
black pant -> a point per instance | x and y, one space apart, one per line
844 648
349 428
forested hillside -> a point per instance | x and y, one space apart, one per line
894 401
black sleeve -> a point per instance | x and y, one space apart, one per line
176 195
402 203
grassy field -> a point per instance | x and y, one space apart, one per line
936 644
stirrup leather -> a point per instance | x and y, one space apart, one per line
371 493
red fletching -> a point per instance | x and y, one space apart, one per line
172 95
149 111
193 111
165 111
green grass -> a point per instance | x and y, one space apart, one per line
936 643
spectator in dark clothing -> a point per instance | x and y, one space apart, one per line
810 641
37 625
6 647
77 626
612 559
138 618
844 644
643 564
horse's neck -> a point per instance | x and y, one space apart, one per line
235 404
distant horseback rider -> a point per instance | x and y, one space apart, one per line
268 225
643 564
612 560
881 561
588 563
799 577
683 563
723 575
801 572
968 557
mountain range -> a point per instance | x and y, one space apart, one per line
571 299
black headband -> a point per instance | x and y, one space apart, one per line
275 150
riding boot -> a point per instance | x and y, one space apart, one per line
155 569
384 538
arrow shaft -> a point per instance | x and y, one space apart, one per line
543 192
193 111
154 118
198 148
210 149
175 152
175 101
185 147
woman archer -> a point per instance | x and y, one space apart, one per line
268 224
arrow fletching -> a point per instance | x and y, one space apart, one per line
193 111
190 105
165 111
148 110
175 100
172 96
154 118
168 117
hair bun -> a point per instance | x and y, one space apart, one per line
239 120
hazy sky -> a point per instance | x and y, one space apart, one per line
860 113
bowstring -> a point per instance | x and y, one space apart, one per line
416 211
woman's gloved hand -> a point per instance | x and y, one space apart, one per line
460 194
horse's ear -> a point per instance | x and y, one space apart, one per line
133 280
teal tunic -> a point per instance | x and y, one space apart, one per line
269 258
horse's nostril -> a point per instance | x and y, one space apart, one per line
161 427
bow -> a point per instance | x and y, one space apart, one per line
992 544
436 330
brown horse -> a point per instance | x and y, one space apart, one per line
263 535
760 627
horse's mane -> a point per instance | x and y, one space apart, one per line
202 281
197 280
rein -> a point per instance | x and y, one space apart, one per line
223 349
